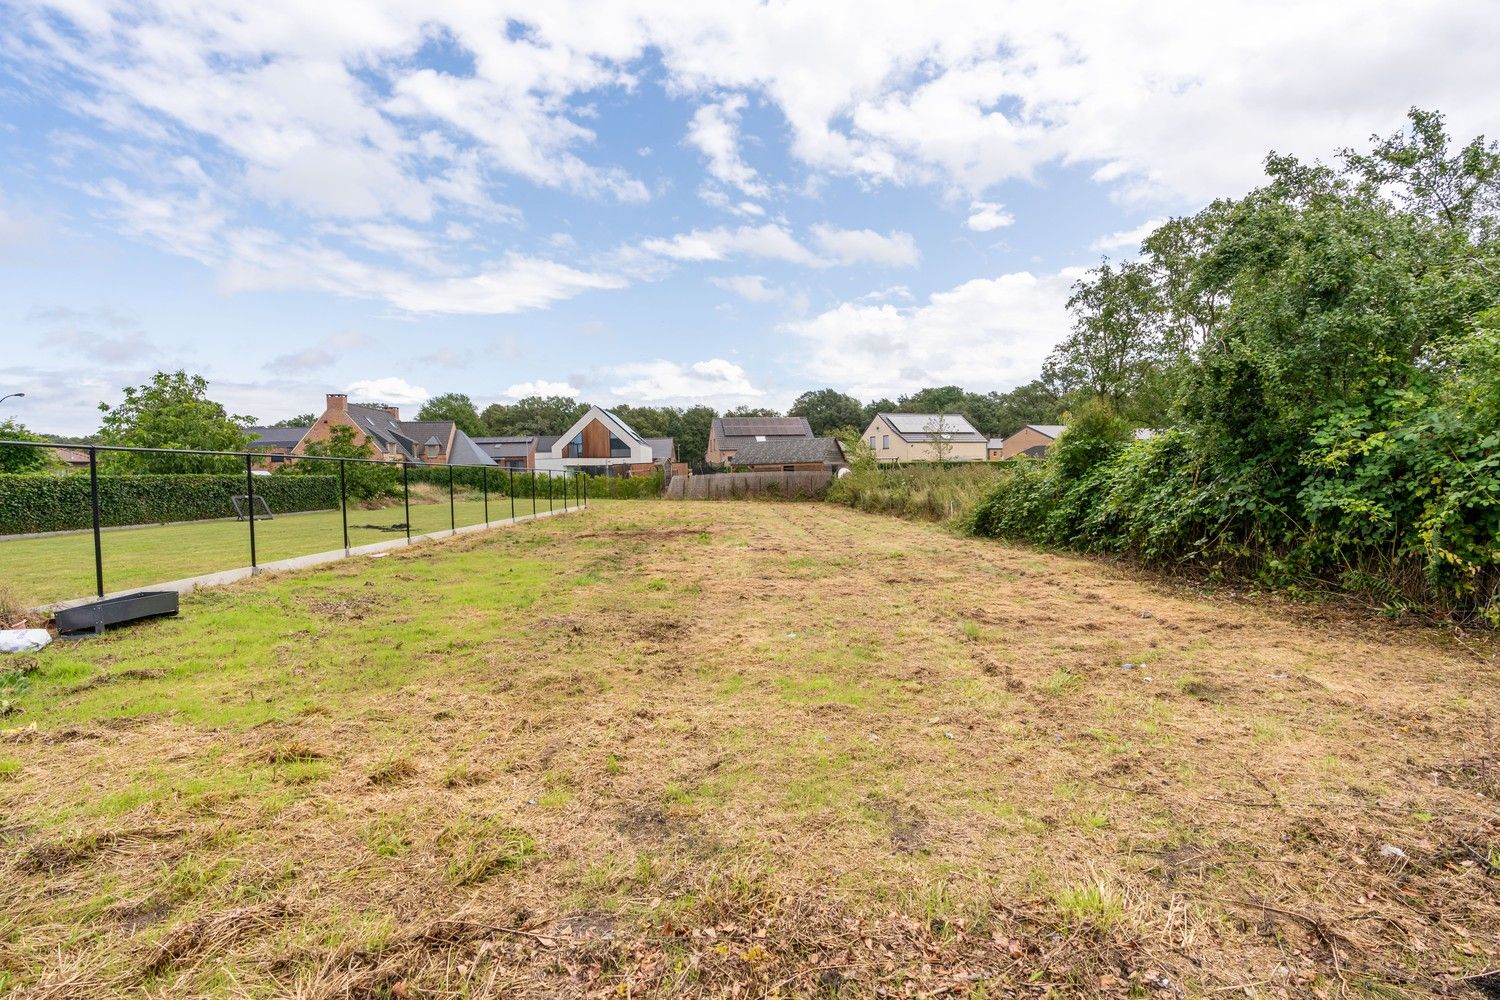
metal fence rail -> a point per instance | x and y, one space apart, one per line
565 491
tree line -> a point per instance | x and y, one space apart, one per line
1323 355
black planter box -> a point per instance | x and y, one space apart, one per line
95 617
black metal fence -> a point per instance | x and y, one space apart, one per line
182 513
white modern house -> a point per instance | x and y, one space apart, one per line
601 443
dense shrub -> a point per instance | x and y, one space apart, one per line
60 503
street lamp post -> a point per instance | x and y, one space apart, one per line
13 395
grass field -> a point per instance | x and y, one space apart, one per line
60 567
747 750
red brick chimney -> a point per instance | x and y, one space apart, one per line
337 402
394 411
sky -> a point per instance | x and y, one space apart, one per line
670 203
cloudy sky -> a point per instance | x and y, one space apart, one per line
686 202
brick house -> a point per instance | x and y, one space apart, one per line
729 434
925 437
391 439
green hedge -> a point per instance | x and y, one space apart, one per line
31 503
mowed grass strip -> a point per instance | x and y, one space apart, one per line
745 749
61 567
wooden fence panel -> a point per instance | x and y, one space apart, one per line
740 485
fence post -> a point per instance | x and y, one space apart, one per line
344 503
406 493
549 492
484 482
94 503
250 502
452 517
565 494
511 473
533 494
585 492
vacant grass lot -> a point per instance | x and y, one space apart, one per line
61 567
746 750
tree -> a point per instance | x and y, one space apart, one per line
828 410
300 420
17 459
454 406
1036 402
363 480
939 432
690 428
533 415
752 411
171 411
1116 348
873 407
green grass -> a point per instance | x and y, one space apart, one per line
61 567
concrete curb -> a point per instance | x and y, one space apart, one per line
219 579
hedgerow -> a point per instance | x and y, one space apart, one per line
30 503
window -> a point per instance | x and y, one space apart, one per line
575 447
618 448
872 440
432 451
885 441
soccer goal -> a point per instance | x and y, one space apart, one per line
242 508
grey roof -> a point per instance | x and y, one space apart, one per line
919 426
1053 431
274 437
732 433
506 447
997 443
544 442
466 452
662 449
789 451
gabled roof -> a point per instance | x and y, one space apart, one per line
466 452
274 437
731 433
1053 431
626 433
920 427
789 451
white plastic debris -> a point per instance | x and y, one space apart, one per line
1393 852
23 640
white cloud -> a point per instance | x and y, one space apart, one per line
301 361
715 380
1127 239
715 132
985 333
987 216
750 287
391 389
540 387
865 246
770 241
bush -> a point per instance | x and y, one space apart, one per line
931 492
30 503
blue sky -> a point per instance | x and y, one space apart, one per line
647 202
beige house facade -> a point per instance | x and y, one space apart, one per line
925 437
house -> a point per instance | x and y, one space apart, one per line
274 442
428 442
925 437
993 449
729 434
514 452
790 454
1032 440
600 443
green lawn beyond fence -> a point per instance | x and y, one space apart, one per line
61 567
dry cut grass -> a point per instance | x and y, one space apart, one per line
747 750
